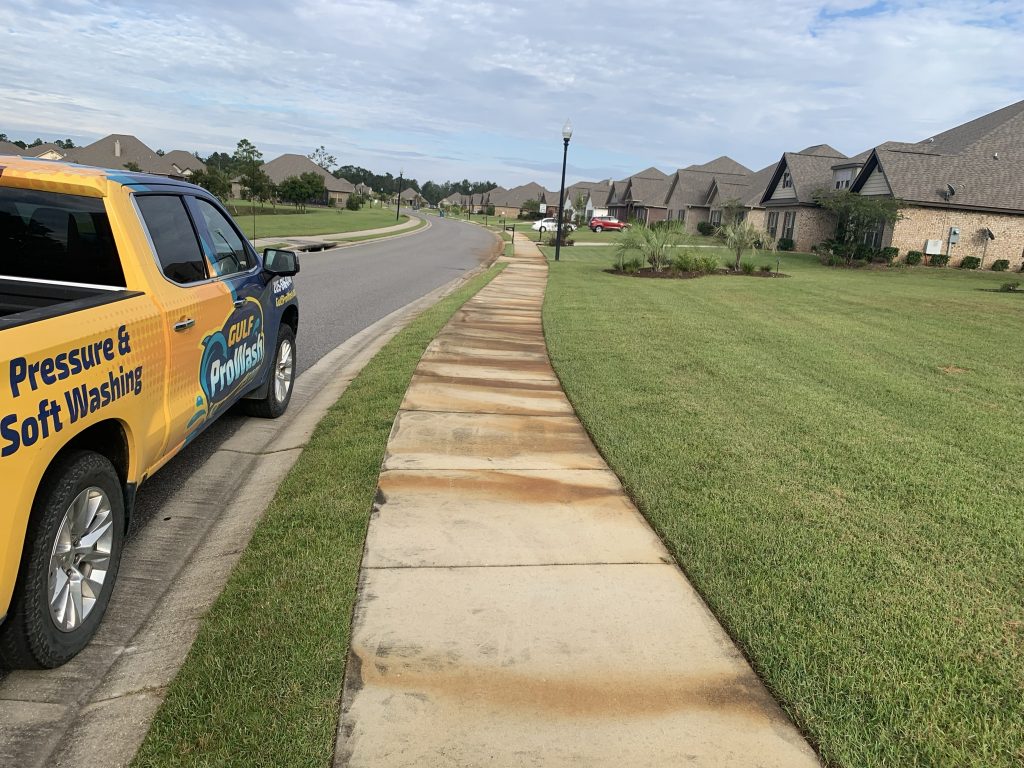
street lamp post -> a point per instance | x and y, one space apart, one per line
566 135
398 200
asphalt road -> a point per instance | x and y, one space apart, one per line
341 292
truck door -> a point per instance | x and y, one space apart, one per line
194 305
236 357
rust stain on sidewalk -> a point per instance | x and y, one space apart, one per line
514 607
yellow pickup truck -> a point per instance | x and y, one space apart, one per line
132 314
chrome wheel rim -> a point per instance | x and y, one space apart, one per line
80 559
283 371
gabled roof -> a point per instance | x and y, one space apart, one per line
650 173
185 161
515 197
410 194
42 149
983 160
691 186
747 190
979 182
810 171
1003 123
723 164
597 191
7 148
118 150
280 168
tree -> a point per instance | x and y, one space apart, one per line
160 153
530 208
652 243
256 185
131 165
740 236
66 144
354 202
246 155
323 158
856 216
315 186
214 180
293 190
221 161
733 210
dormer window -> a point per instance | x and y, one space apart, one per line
787 180
842 178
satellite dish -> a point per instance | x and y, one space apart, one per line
950 191
989 234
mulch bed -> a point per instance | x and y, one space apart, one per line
674 274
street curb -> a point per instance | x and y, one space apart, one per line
98 708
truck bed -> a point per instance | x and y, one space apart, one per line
28 301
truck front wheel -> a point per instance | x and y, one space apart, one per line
69 563
282 377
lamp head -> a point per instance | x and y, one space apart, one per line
567 130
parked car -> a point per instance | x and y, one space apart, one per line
133 313
601 223
551 225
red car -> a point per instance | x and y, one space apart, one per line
599 223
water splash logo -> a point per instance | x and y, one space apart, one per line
233 355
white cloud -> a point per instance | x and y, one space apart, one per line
454 88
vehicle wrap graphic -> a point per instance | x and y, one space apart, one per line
232 357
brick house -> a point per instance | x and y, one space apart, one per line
970 177
748 191
594 196
280 168
510 202
640 197
687 198
119 150
788 199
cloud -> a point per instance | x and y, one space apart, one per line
467 89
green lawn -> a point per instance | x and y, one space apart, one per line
262 683
836 461
316 221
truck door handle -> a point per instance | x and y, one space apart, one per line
184 325
239 302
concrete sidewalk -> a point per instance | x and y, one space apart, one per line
514 607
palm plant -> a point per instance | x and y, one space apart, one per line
740 236
652 243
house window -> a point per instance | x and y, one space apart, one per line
788 224
873 238
773 223
843 177
716 218
787 180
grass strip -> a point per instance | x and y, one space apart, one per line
316 221
420 224
834 459
262 683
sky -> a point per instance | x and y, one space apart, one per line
452 89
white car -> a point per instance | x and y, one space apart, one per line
551 225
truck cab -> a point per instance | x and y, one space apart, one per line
133 312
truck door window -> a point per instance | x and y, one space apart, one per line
227 252
173 237
52 236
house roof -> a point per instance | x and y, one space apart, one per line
723 164
810 170
515 197
596 190
280 168
119 149
185 161
747 189
42 149
982 159
7 148
409 194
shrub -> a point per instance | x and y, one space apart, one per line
938 260
765 267
706 264
889 254
1009 287
566 240
685 262
354 202
1000 265
914 257
786 244
632 266
747 267
970 262
706 228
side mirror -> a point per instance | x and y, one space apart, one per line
278 262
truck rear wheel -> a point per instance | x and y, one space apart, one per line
69 563
282 377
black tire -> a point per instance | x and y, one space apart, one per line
29 638
273 404
598 229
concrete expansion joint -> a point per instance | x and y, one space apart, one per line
553 564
